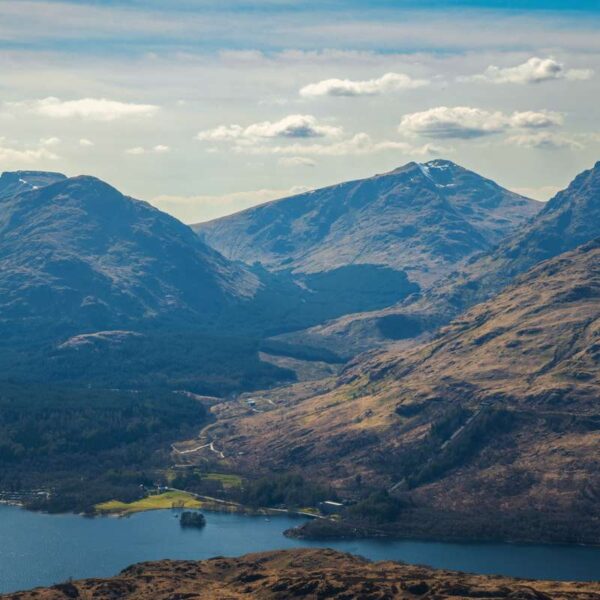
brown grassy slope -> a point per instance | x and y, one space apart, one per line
520 372
311 574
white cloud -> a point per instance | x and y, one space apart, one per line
457 122
296 161
530 119
193 209
94 109
158 149
544 140
85 142
292 126
464 122
534 70
390 82
222 133
17 157
358 145
50 141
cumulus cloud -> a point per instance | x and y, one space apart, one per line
390 82
544 140
93 109
292 126
535 119
464 122
85 142
158 149
297 161
17 157
534 70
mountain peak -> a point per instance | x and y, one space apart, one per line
16 182
441 163
437 163
419 218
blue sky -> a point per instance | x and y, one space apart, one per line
206 107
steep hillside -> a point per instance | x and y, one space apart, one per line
498 415
101 289
569 219
78 254
421 219
314 574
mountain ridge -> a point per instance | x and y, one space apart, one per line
418 218
570 218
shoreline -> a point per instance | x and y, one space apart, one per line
342 530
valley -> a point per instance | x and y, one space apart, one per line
485 429
516 432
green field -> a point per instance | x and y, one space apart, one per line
226 479
156 502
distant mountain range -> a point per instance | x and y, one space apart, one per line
103 279
78 258
422 219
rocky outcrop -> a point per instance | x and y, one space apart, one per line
303 574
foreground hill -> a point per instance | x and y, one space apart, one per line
421 219
495 418
569 219
310 574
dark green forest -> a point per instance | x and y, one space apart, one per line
201 363
86 445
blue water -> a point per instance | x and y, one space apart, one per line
39 549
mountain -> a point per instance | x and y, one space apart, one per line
77 255
496 418
15 182
99 289
100 286
303 574
422 219
569 219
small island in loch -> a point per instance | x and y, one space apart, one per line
192 519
